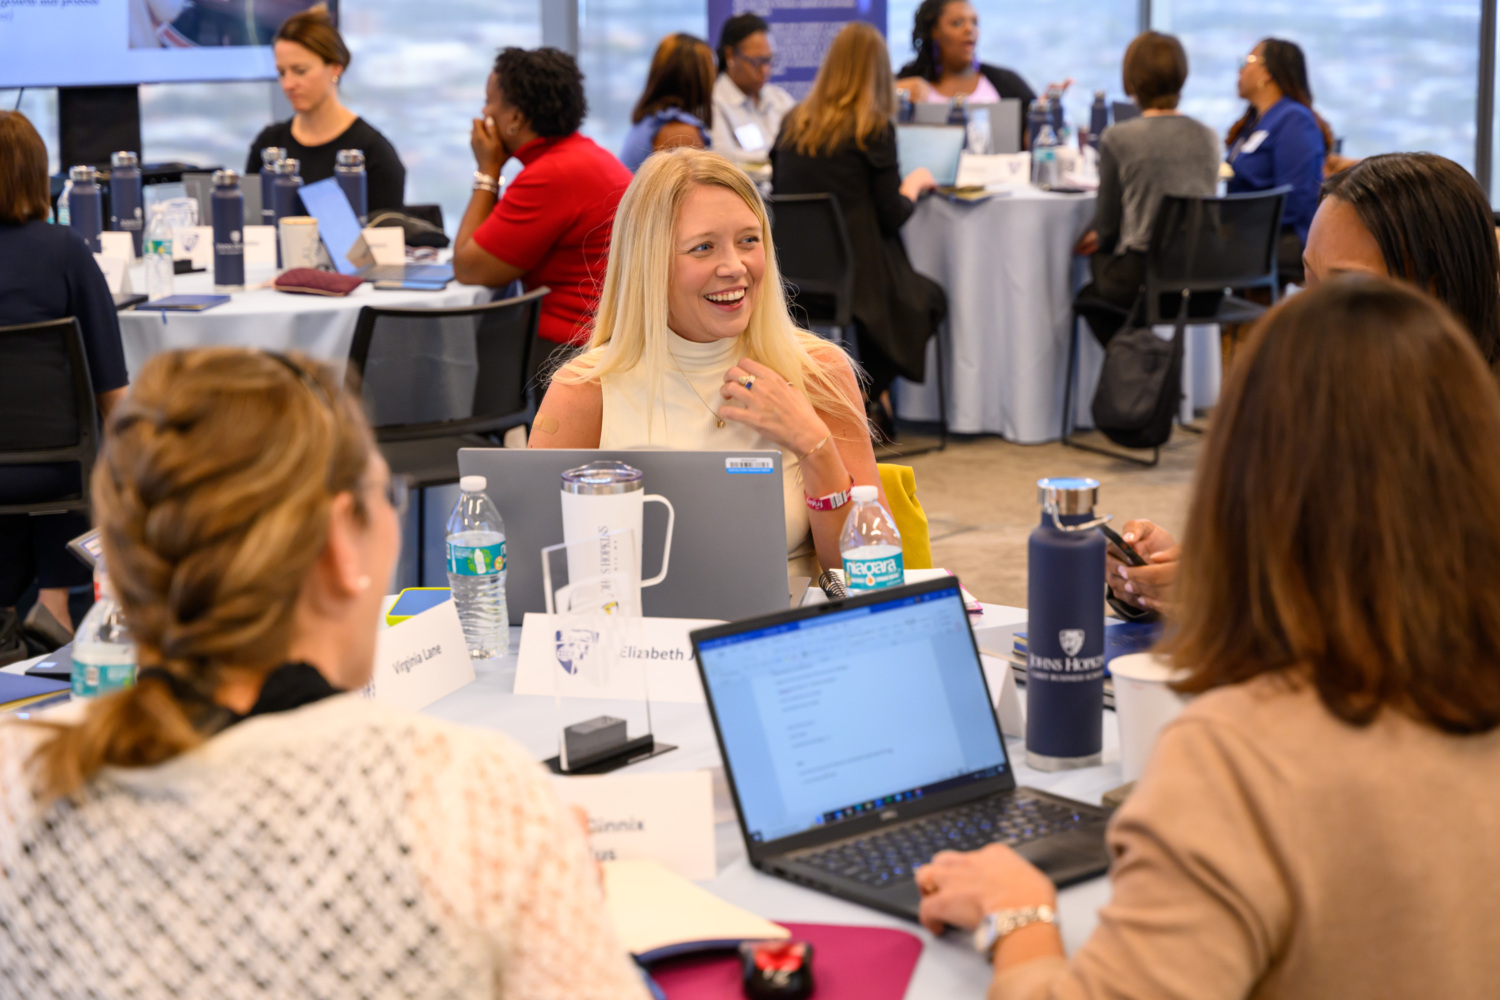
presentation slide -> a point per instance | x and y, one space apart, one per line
80 43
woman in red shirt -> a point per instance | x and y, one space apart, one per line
552 227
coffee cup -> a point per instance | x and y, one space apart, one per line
299 241
1144 703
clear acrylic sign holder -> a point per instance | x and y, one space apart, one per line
601 693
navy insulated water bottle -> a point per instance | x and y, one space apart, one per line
86 207
284 197
229 239
1098 118
1065 629
125 197
349 168
269 157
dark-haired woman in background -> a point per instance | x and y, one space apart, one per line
840 141
1413 216
945 34
748 107
1280 140
310 58
1307 826
677 106
552 227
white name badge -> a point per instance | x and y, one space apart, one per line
749 136
655 817
260 245
1253 143
421 659
387 244
601 657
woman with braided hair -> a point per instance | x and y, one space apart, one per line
243 821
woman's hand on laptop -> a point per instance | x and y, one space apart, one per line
918 183
958 889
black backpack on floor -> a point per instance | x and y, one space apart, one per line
1140 386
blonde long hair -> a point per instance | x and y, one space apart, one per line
853 97
630 327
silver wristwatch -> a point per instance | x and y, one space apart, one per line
995 926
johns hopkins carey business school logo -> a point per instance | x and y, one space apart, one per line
1071 640
574 646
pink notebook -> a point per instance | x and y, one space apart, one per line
849 963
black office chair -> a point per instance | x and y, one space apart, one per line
47 410
436 380
1201 249
816 259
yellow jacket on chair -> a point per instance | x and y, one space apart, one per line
900 485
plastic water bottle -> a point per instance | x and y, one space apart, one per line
86 206
103 651
1098 118
349 168
1065 629
476 570
125 196
158 253
64 213
870 545
1045 169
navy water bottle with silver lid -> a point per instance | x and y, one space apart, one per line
86 206
349 168
1036 117
125 214
1098 118
269 157
958 110
1065 628
229 239
284 197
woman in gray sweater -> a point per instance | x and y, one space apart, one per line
1162 152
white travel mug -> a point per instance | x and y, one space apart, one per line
603 510
299 241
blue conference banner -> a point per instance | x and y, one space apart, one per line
800 30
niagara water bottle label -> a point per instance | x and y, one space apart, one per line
476 560
872 574
93 679
1070 666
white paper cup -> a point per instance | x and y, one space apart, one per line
1143 705
299 241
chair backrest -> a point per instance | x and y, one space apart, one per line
815 256
47 409
1210 244
432 372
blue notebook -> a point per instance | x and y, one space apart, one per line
184 303
20 690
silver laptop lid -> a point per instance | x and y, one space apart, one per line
729 541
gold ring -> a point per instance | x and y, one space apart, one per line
748 381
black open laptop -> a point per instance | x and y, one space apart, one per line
859 738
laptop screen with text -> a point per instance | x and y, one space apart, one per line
833 716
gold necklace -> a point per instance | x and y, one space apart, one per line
718 420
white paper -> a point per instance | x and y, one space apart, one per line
656 817
999 170
421 659
1009 707
551 645
260 245
195 244
116 272
387 244
119 245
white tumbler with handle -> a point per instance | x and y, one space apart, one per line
603 510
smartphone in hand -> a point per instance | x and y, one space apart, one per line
1132 557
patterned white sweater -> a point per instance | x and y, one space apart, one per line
343 849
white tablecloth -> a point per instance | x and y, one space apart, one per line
320 325
1008 267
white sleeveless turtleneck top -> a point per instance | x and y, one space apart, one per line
685 416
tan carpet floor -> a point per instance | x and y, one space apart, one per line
980 498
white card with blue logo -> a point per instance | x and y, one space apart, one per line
421 659
654 817
600 656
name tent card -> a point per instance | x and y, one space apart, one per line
260 245
421 659
387 244
554 649
654 817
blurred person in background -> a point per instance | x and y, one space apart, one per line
310 58
945 34
1417 217
49 273
748 108
841 140
552 227
677 106
1160 153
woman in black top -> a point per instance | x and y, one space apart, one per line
945 34
48 274
310 58
840 140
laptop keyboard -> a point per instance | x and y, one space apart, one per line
889 857
403 272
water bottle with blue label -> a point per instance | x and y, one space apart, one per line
228 209
103 650
125 214
157 250
870 544
476 570
1046 171
65 214
1065 628
86 206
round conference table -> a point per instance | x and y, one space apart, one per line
319 325
1008 267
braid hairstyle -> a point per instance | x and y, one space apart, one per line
1288 69
923 24
212 493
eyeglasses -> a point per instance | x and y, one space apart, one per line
755 62
1251 58
398 493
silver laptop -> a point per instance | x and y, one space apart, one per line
936 147
1005 121
340 231
728 556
